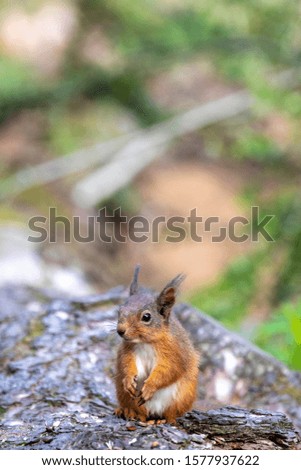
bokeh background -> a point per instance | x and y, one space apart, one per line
75 75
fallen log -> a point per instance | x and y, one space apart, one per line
57 366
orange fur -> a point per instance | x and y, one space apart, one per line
176 362
157 365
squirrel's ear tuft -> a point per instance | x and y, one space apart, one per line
167 297
134 284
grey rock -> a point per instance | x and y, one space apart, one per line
57 365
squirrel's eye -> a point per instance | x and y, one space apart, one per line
146 317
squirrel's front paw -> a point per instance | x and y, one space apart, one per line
146 393
130 385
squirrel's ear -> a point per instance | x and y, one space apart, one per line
167 297
134 284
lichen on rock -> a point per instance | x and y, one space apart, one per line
57 365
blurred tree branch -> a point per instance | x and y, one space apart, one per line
61 167
142 149
131 153
148 145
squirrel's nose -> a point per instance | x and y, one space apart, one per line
120 331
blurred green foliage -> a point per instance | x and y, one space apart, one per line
228 299
74 127
281 335
251 145
15 76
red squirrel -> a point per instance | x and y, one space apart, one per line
157 365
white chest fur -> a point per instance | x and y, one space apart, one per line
145 362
